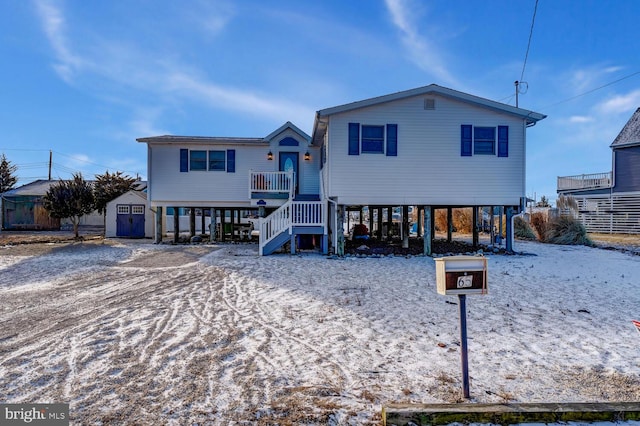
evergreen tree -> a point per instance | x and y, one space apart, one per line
108 187
544 202
70 199
7 174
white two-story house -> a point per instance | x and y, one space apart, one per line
430 147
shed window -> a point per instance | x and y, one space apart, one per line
197 160
137 209
122 209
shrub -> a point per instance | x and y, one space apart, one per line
567 230
522 229
462 220
540 224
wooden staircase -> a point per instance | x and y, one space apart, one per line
295 217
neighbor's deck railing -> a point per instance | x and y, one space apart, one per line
590 181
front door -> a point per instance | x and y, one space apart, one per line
289 162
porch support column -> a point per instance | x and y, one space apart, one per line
223 218
405 226
192 222
389 222
202 222
420 221
292 243
509 239
491 231
474 220
370 221
428 236
212 226
379 220
158 234
340 230
176 224
449 224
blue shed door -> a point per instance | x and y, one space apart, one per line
130 220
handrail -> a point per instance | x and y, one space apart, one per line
272 182
292 213
585 181
275 224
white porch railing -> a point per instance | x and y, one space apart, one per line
290 214
272 182
590 181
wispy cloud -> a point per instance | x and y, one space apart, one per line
54 27
620 104
580 119
588 78
211 17
421 51
113 70
234 99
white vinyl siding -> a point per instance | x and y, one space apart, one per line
170 187
428 168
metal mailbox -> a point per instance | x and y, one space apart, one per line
456 275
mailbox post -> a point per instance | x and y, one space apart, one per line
462 275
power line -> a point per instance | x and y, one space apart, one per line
533 20
592 90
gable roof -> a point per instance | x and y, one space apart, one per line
630 133
36 188
285 126
142 195
319 125
211 140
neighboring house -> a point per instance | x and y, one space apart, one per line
22 209
429 147
129 216
610 202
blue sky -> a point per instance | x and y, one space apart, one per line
84 79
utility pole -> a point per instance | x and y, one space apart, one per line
50 162
517 83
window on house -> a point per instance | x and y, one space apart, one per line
372 139
208 160
484 140
197 160
217 160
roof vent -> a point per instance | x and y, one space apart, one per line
430 104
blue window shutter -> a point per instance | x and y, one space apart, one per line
503 141
392 140
184 160
231 161
465 140
354 139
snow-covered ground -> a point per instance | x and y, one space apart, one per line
131 332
